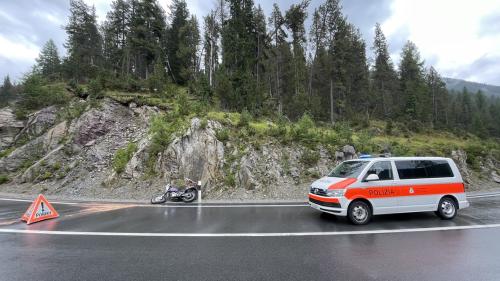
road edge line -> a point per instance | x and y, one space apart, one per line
271 234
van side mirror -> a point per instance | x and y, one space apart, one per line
372 177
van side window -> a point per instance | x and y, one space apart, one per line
382 169
421 169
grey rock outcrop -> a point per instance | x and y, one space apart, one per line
38 123
460 158
9 127
197 154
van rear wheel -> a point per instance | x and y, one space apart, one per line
359 213
447 208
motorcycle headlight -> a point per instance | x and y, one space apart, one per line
335 192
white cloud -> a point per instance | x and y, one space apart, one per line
53 18
19 50
448 31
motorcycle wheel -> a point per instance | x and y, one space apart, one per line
159 199
189 196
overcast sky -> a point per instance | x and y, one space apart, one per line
460 38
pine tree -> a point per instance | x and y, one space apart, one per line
262 52
358 99
146 40
84 43
6 91
189 39
294 21
239 55
329 32
116 30
438 93
278 39
48 62
384 76
177 37
415 102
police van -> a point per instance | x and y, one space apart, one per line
362 188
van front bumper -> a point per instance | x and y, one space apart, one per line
327 205
463 204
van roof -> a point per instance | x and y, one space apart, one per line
400 158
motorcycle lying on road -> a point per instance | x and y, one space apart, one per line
172 193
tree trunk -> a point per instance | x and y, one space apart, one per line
331 101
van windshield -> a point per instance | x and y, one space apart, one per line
350 169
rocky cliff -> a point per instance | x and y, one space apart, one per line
75 157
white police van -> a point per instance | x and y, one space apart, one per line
362 188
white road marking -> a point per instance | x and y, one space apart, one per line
225 206
276 234
484 195
165 206
30 201
131 204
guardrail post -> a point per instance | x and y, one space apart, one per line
199 191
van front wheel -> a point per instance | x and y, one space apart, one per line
447 208
359 213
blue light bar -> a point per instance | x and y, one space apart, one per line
365 156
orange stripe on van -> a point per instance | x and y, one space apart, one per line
342 184
404 190
324 199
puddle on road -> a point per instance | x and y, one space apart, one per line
96 208
86 209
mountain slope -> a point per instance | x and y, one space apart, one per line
458 85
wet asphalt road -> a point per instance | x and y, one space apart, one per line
449 254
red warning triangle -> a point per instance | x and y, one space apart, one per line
39 210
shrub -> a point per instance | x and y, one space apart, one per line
301 131
123 156
309 157
222 135
39 93
230 179
45 176
245 118
203 123
56 166
475 152
162 133
4 179
344 132
388 127
73 111
280 129
183 106
364 142
399 149
96 88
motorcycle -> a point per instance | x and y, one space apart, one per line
189 194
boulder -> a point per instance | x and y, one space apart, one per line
349 152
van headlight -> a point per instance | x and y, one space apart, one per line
335 192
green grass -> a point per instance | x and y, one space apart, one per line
123 156
140 99
373 139
7 152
